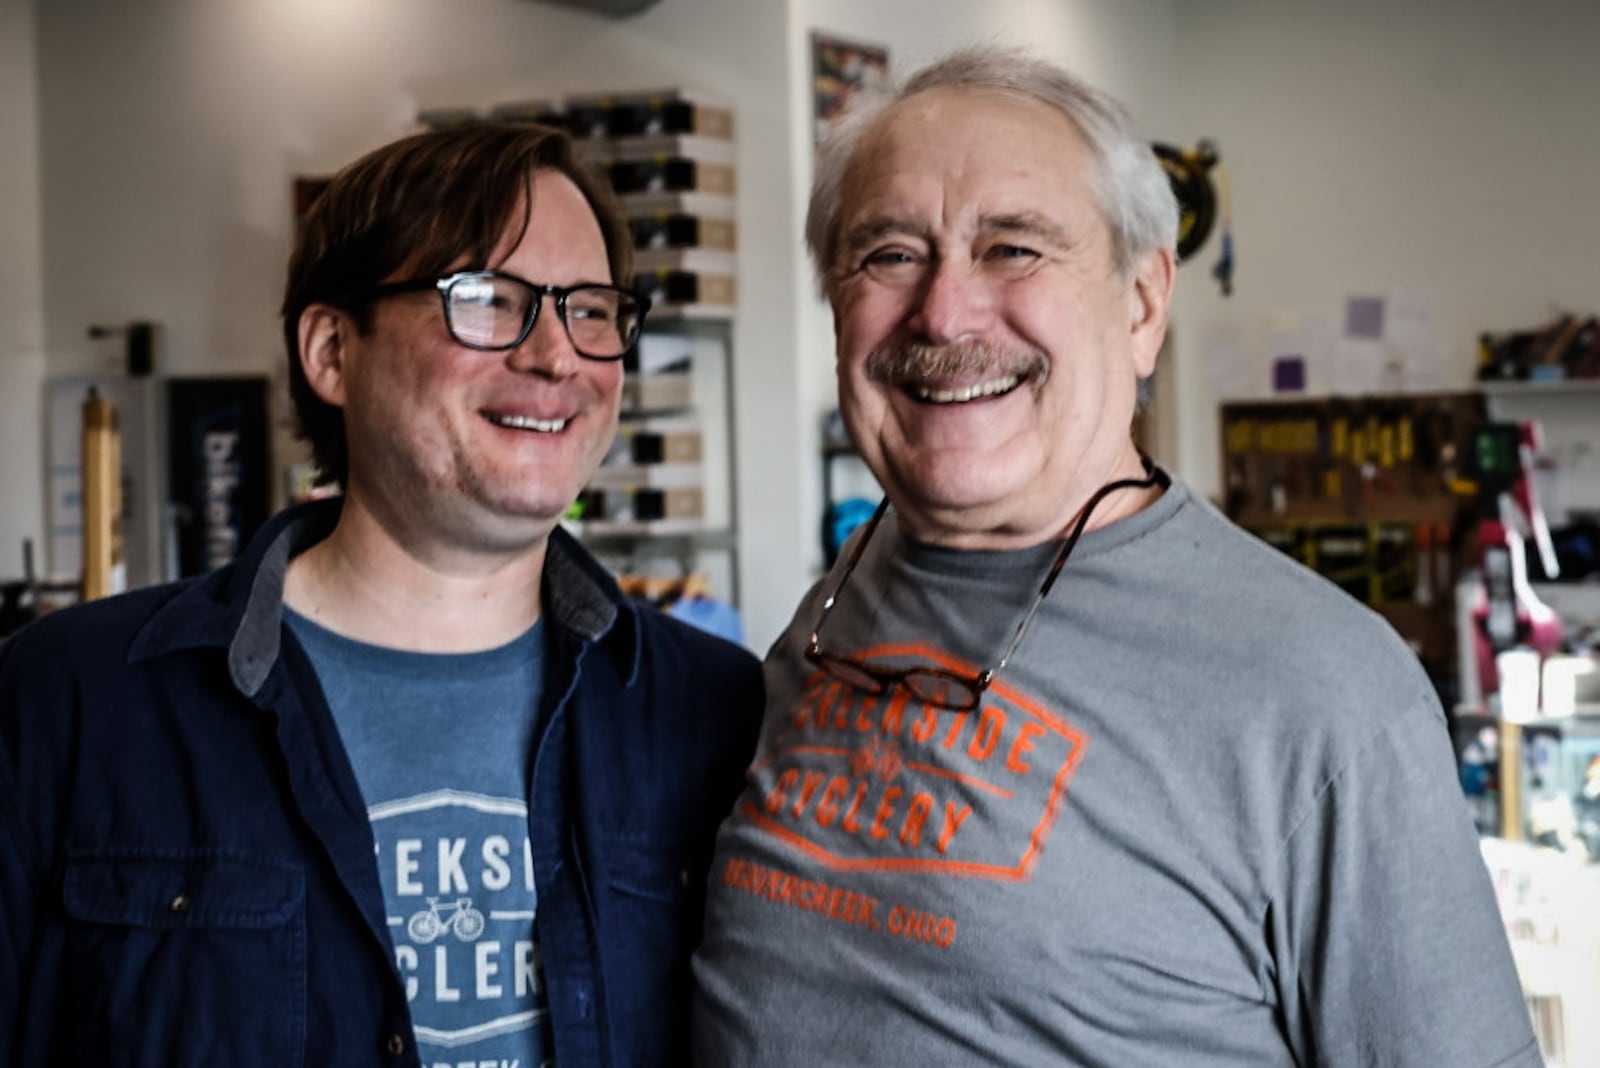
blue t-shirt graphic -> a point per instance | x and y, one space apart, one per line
442 747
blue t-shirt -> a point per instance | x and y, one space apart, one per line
442 746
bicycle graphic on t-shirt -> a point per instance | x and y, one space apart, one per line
460 918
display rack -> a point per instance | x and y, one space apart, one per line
1512 797
1568 414
1370 492
665 495
686 459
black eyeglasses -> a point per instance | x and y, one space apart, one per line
938 686
493 311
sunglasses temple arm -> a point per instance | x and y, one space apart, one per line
1061 559
1022 628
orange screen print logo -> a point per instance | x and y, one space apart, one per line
886 783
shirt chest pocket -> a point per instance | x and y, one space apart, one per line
652 917
184 958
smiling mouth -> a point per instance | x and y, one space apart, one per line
525 422
997 387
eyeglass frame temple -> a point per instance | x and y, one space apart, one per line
849 569
1153 476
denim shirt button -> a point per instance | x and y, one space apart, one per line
396 1045
178 904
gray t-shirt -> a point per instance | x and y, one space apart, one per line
442 748
1207 817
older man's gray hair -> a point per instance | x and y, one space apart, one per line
1132 189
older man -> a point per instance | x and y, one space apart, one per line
1058 766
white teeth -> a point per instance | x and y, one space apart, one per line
966 393
523 422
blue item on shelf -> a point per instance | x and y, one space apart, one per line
711 615
843 518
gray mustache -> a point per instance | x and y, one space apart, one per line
912 361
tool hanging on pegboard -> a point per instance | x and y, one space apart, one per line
1200 182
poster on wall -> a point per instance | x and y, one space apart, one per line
219 467
841 69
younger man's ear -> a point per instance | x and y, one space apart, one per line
324 330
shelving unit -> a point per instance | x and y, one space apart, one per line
1531 752
1568 413
1567 478
1495 387
707 543
671 158
1368 491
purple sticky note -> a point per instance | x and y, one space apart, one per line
1289 374
1363 317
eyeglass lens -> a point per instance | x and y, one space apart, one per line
492 312
931 685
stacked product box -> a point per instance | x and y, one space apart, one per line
669 155
659 375
653 475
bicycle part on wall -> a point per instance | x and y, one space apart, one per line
1202 202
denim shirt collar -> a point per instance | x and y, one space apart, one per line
240 607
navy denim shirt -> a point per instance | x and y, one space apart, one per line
187 871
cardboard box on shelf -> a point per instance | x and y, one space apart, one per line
628 475
544 112
653 113
603 506
674 146
653 446
659 374
448 118
668 289
657 392
659 174
656 441
704 205
699 261
674 230
658 353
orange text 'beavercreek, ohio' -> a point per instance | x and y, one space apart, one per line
838 904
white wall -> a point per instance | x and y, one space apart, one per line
172 131
21 314
1447 150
